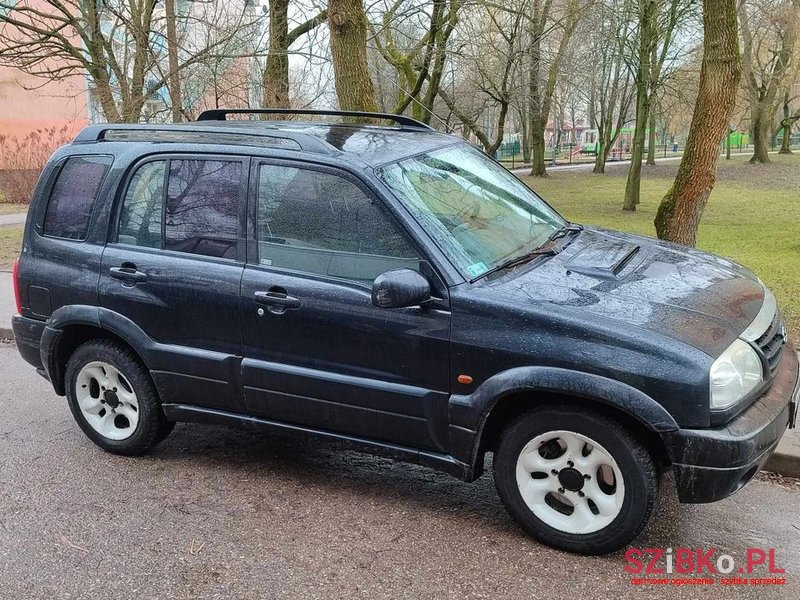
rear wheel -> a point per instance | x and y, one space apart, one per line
578 481
113 399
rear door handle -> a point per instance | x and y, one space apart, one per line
279 298
128 273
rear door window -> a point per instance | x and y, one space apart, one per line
73 197
184 205
202 208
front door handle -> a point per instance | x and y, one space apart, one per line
128 273
277 297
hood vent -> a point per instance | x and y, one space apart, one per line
603 259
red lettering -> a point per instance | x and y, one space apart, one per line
652 569
755 556
684 560
772 567
632 555
704 561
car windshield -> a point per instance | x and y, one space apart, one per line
477 212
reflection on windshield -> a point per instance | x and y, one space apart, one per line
479 213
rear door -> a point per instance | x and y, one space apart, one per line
317 352
174 266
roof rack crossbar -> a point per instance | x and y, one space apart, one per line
220 114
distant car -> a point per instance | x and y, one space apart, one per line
395 289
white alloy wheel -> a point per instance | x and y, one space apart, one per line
107 400
570 482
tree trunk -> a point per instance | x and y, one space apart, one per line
276 72
538 148
599 162
651 139
348 30
172 59
761 129
678 216
786 123
646 33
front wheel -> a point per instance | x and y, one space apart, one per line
575 480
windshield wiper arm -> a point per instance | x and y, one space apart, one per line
561 232
548 248
543 250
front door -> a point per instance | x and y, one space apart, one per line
174 267
317 352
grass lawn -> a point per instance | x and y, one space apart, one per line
10 244
753 215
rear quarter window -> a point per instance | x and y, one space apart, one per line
73 196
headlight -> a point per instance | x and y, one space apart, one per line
736 373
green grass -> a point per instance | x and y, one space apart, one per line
753 216
7 208
10 244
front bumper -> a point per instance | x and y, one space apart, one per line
711 464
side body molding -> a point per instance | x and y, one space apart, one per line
468 413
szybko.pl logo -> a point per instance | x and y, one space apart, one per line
699 566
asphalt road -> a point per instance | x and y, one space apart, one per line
218 513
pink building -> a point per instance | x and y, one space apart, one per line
30 103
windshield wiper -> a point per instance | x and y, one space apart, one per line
548 248
559 233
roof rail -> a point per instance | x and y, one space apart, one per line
193 132
220 114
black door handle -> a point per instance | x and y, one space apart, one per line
277 297
128 273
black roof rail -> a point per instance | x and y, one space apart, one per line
220 114
191 132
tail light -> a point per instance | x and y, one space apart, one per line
16 286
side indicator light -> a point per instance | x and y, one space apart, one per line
465 379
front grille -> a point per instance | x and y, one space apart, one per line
772 342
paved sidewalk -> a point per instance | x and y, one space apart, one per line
13 219
7 304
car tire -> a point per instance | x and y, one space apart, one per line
113 399
575 480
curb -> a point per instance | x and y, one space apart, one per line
6 333
783 464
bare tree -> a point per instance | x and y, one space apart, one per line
658 23
679 214
610 79
275 78
113 44
481 97
414 40
348 27
769 31
548 29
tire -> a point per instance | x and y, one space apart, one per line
554 457
113 399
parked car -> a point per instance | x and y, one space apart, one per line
395 289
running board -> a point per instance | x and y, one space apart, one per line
196 414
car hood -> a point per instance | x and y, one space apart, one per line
698 298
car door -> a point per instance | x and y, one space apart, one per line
173 267
317 352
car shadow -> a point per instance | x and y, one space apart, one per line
334 468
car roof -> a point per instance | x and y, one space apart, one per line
373 145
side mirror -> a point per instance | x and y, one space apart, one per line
400 288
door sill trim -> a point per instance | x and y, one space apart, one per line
196 414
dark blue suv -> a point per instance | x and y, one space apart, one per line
395 289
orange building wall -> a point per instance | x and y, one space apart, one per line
29 103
